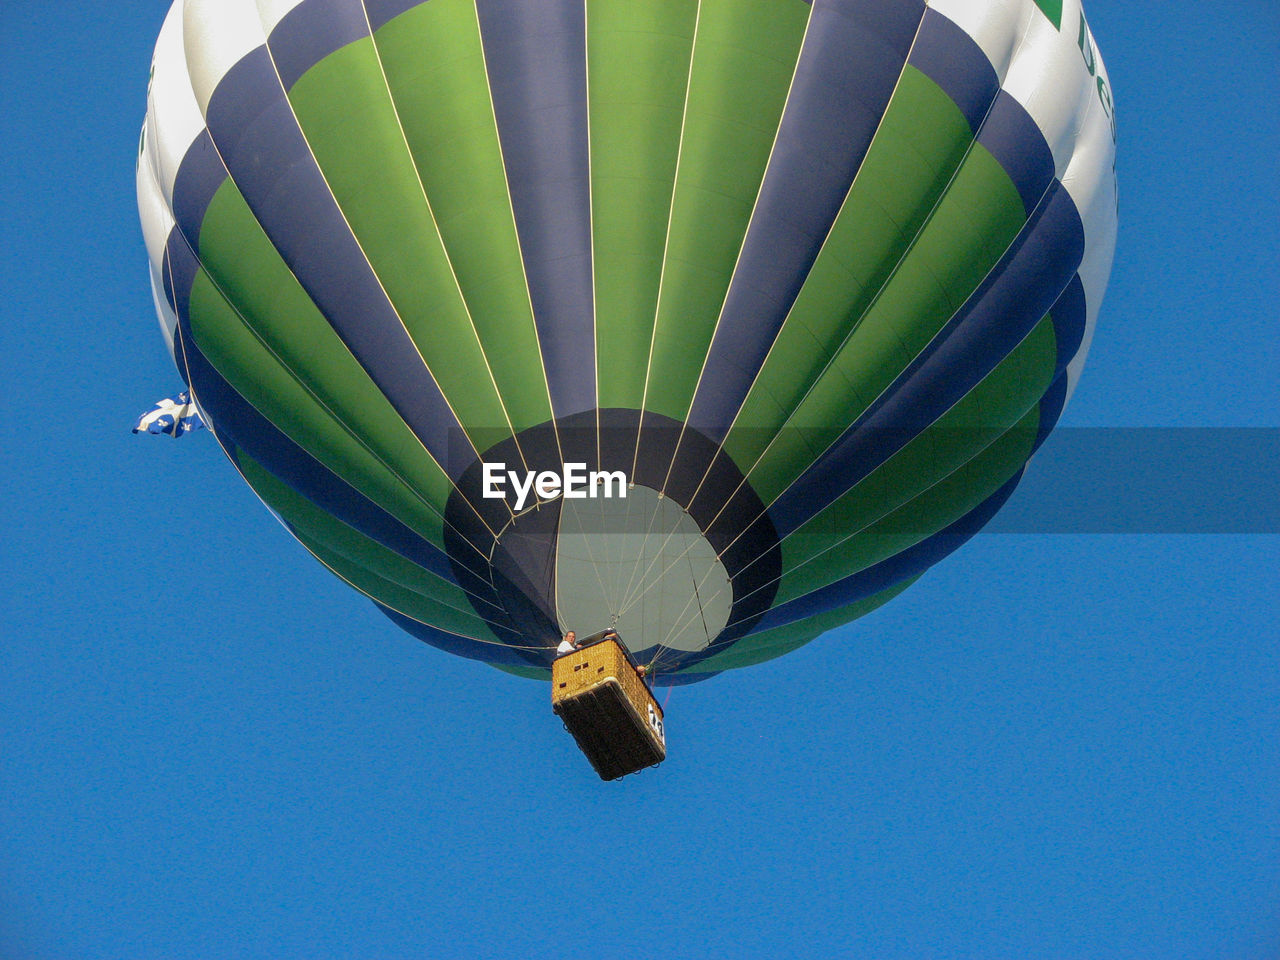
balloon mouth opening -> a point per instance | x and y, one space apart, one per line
641 565
680 558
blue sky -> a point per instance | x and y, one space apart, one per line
1053 746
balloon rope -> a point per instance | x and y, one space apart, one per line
629 597
701 613
595 565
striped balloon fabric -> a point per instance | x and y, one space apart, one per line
714 321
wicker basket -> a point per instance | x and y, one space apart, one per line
609 710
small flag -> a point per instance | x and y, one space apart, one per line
175 417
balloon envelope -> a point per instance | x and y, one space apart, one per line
718 322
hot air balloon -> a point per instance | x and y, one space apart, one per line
714 322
